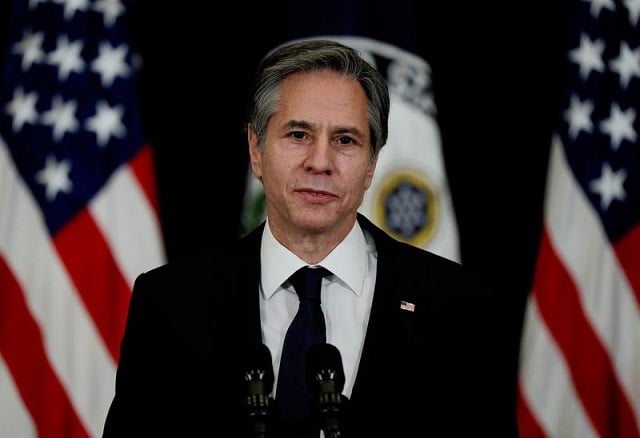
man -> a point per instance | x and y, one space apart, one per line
419 339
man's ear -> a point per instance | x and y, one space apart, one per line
254 152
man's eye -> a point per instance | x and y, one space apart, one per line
297 135
345 140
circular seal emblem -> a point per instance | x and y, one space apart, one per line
406 206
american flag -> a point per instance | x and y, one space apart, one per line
580 351
78 213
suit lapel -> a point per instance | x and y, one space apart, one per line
233 298
389 325
248 280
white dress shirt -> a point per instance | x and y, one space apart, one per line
345 298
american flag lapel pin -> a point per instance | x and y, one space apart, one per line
406 305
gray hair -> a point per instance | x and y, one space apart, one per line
313 55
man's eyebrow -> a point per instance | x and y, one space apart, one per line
304 124
348 130
299 124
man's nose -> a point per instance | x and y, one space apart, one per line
319 156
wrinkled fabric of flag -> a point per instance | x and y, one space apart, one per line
78 213
580 351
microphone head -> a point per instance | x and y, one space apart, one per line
324 366
258 368
258 378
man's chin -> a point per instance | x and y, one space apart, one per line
321 222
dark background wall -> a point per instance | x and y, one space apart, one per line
497 78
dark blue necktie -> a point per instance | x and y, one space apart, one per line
307 329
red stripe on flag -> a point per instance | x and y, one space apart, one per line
527 424
626 250
143 168
22 348
95 274
591 369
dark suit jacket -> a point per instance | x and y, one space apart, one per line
441 370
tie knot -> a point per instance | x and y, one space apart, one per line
307 281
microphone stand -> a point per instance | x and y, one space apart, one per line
258 405
329 407
258 379
325 376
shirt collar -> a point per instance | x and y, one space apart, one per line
348 261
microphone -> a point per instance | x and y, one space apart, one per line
258 378
325 377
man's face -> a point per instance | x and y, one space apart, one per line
315 165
